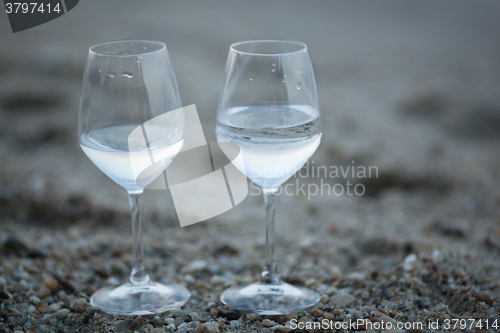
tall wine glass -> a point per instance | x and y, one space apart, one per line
130 126
269 107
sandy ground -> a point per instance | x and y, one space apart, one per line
412 88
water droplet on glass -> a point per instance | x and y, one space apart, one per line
250 79
111 74
127 74
273 70
144 47
274 65
283 80
299 85
300 70
100 69
284 75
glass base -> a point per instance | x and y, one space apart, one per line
269 299
131 299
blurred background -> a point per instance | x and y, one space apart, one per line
412 87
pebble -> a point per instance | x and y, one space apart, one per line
409 262
324 299
31 309
195 316
342 300
34 300
51 283
230 315
102 320
127 324
386 293
268 323
43 292
484 297
380 317
367 309
355 314
316 312
328 315
54 307
266 330
3 295
63 313
210 327
171 327
196 266
234 323
356 277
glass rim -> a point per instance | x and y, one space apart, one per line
303 46
162 47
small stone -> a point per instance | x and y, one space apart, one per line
386 293
421 303
210 327
484 297
367 309
268 323
102 320
43 292
3 295
31 309
34 300
171 327
324 299
214 312
409 262
63 313
355 314
382 318
316 312
51 283
356 277
65 283
196 266
54 307
195 316
230 315
336 312
328 315
127 324
342 300
234 323
265 330
139 319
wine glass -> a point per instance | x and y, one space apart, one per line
269 107
130 125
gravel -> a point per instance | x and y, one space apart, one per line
416 98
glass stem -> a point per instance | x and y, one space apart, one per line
138 275
270 273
